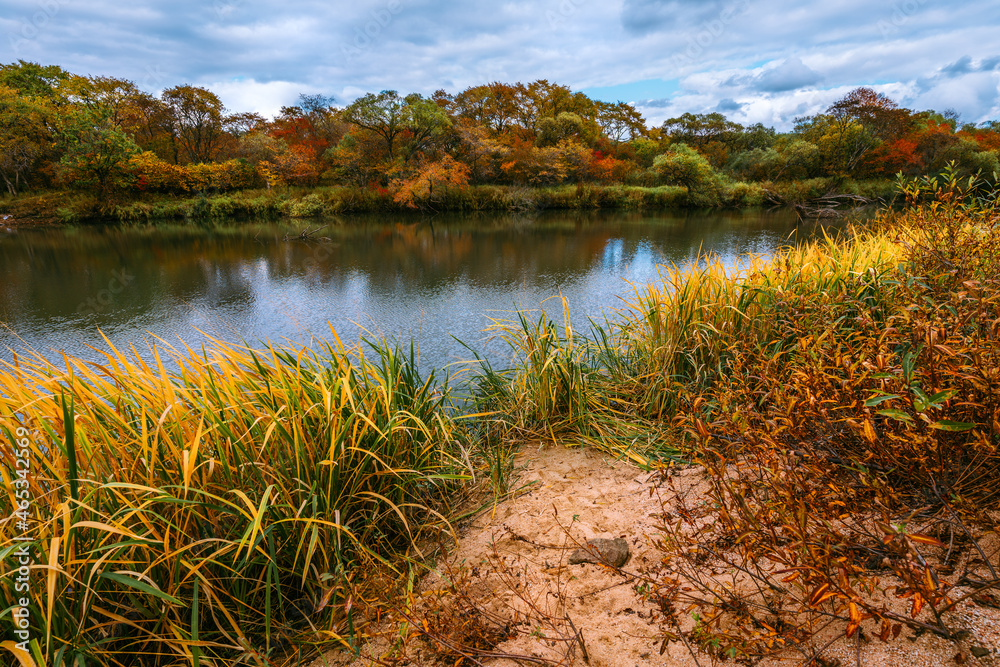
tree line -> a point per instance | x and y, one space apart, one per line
104 134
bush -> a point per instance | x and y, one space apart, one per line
682 165
743 195
309 206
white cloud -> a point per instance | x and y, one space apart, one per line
766 60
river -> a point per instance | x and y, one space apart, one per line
435 279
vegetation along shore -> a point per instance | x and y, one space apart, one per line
77 148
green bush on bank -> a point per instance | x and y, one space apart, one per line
709 190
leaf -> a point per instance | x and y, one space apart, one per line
141 586
854 612
817 595
23 657
957 427
898 415
876 400
942 396
918 604
925 539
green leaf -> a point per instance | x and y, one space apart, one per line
875 400
958 427
942 396
898 415
141 586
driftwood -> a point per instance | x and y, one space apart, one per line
830 206
306 235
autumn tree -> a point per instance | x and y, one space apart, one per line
431 183
313 124
854 126
25 137
494 105
198 115
115 98
244 123
477 148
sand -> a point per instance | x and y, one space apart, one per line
518 552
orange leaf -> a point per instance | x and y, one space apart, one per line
817 595
918 604
925 539
855 612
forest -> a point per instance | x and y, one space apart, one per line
113 146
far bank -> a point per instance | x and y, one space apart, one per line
76 206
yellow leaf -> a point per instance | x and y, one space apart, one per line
23 657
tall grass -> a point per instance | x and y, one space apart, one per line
685 329
618 385
222 511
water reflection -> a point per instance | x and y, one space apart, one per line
432 278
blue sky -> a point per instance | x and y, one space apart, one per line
764 61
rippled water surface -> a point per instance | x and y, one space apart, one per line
435 279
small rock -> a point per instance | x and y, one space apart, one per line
979 651
602 551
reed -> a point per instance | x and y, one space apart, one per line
218 505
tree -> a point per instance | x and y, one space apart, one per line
858 123
418 191
25 137
682 165
34 80
551 131
97 152
151 125
244 123
114 97
620 121
381 114
494 105
425 120
698 130
197 115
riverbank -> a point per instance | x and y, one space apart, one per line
840 398
74 207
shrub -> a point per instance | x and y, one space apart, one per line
309 206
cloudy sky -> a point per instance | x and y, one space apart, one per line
754 60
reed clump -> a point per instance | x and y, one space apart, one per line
219 506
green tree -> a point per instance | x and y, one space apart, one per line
426 121
566 125
380 114
96 153
698 130
34 80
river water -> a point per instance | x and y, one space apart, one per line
432 279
